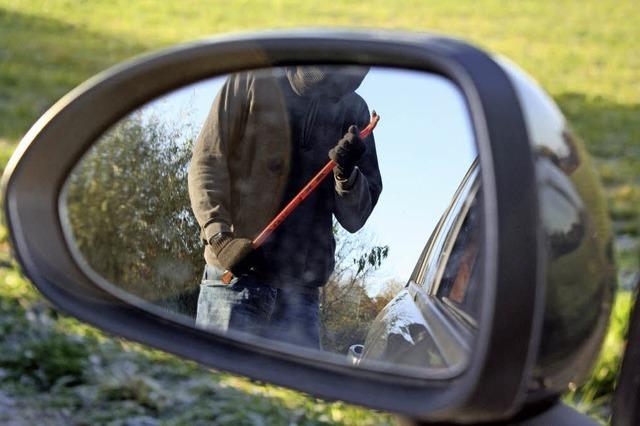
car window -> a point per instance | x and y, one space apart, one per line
450 261
456 287
440 242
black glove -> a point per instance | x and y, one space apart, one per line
347 152
231 251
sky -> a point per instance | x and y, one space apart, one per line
424 143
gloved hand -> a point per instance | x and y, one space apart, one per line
231 251
347 152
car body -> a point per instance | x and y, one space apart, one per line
430 323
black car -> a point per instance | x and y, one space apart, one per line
431 322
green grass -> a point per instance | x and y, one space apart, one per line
583 52
594 397
57 367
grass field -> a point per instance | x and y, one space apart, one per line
583 52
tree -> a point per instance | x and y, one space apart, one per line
129 212
346 309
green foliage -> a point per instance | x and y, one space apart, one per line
594 397
128 208
346 312
45 357
32 348
373 258
346 309
58 369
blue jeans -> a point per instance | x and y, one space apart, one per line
247 305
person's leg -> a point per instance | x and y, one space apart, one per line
296 318
244 305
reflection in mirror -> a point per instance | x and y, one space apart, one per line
376 265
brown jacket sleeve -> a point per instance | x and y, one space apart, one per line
356 197
208 177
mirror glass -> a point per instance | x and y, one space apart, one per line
376 265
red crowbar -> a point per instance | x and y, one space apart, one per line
301 196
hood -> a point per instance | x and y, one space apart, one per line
325 80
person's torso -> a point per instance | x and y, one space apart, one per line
284 143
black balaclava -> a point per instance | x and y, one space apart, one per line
325 80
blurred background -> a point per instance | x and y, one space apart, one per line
54 370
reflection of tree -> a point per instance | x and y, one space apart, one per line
129 210
346 309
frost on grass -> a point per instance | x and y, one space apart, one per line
55 369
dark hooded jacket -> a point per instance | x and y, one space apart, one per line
265 137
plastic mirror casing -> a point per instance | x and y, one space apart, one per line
494 384
579 274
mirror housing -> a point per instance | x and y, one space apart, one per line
495 383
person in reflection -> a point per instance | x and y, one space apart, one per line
269 132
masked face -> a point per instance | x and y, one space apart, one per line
329 81
307 80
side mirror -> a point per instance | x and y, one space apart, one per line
115 193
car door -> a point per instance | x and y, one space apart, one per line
430 323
